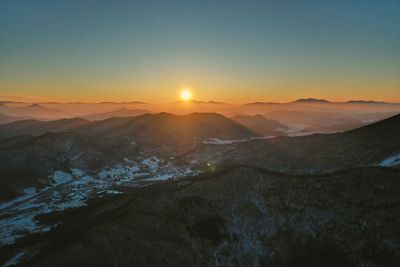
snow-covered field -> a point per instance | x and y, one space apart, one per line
73 189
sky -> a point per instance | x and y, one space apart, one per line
231 51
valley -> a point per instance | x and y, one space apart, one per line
215 180
200 133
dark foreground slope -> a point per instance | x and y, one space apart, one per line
241 216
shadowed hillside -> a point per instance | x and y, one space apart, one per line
27 161
156 129
261 125
262 218
367 145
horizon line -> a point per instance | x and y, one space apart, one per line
309 100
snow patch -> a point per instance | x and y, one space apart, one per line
391 161
73 189
77 156
216 141
14 260
29 191
60 177
77 172
82 181
151 163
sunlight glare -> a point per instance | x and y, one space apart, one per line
186 95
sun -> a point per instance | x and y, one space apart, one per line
186 95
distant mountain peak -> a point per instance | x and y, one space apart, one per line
34 106
215 102
261 103
124 102
311 100
366 102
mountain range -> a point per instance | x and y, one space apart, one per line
104 110
198 190
160 129
365 146
123 112
52 145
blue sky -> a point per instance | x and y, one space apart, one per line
224 50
